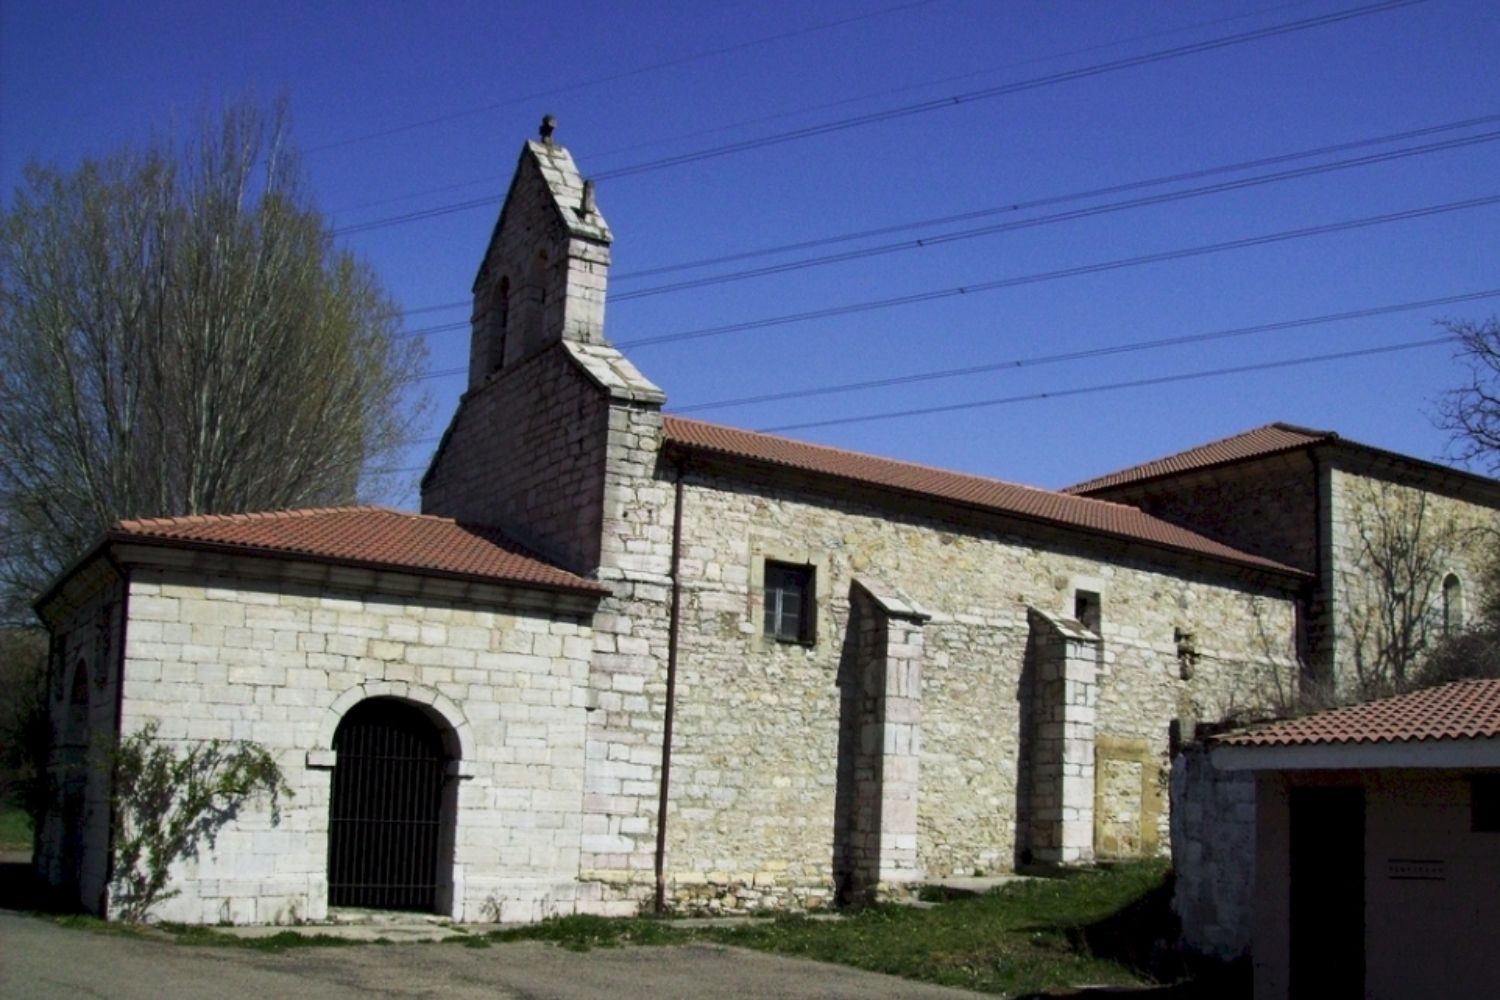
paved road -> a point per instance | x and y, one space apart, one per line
40 960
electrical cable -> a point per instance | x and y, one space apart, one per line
614 77
1046 359
1112 386
922 107
1057 199
1078 391
872 305
1055 217
678 136
1065 76
1121 188
1089 353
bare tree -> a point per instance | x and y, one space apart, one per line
179 335
1392 602
1471 412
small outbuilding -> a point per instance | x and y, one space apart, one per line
1377 846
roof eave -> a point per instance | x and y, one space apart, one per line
61 580
115 537
1330 442
1434 753
1085 490
1250 563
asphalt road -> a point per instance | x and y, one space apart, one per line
40 960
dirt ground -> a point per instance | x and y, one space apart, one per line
39 959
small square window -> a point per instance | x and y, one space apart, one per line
1484 800
789 606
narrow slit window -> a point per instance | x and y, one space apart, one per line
1086 610
1453 604
789 609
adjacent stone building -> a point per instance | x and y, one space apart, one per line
625 659
1398 548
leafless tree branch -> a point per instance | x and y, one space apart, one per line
179 335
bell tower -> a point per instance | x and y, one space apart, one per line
542 278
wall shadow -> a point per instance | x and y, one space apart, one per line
1026 715
846 798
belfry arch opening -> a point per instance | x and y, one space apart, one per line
391 810
499 323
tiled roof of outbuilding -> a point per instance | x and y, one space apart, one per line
1271 439
370 537
1079 513
1461 710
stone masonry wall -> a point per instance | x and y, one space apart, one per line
1213 854
526 451
1455 537
280 662
1268 508
755 757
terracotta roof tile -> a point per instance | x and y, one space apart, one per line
375 537
1271 439
1094 516
1462 710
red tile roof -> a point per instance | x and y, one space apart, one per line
371 537
1094 516
1462 710
1261 442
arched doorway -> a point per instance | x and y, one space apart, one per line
388 814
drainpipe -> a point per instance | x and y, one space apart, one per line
666 730
114 758
1319 532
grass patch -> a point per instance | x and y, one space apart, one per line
15 828
582 932
192 935
1025 937
1033 936
84 922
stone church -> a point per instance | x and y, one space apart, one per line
625 660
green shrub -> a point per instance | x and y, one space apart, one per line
169 802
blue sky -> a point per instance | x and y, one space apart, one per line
403 107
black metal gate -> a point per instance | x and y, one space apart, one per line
386 814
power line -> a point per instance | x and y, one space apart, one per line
1076 391
613 77
1112 189
1057 199
678 136
1069 272
922 107
1044 359
1069 216
440 373
1096 352
1065 76
440 328
1112 386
